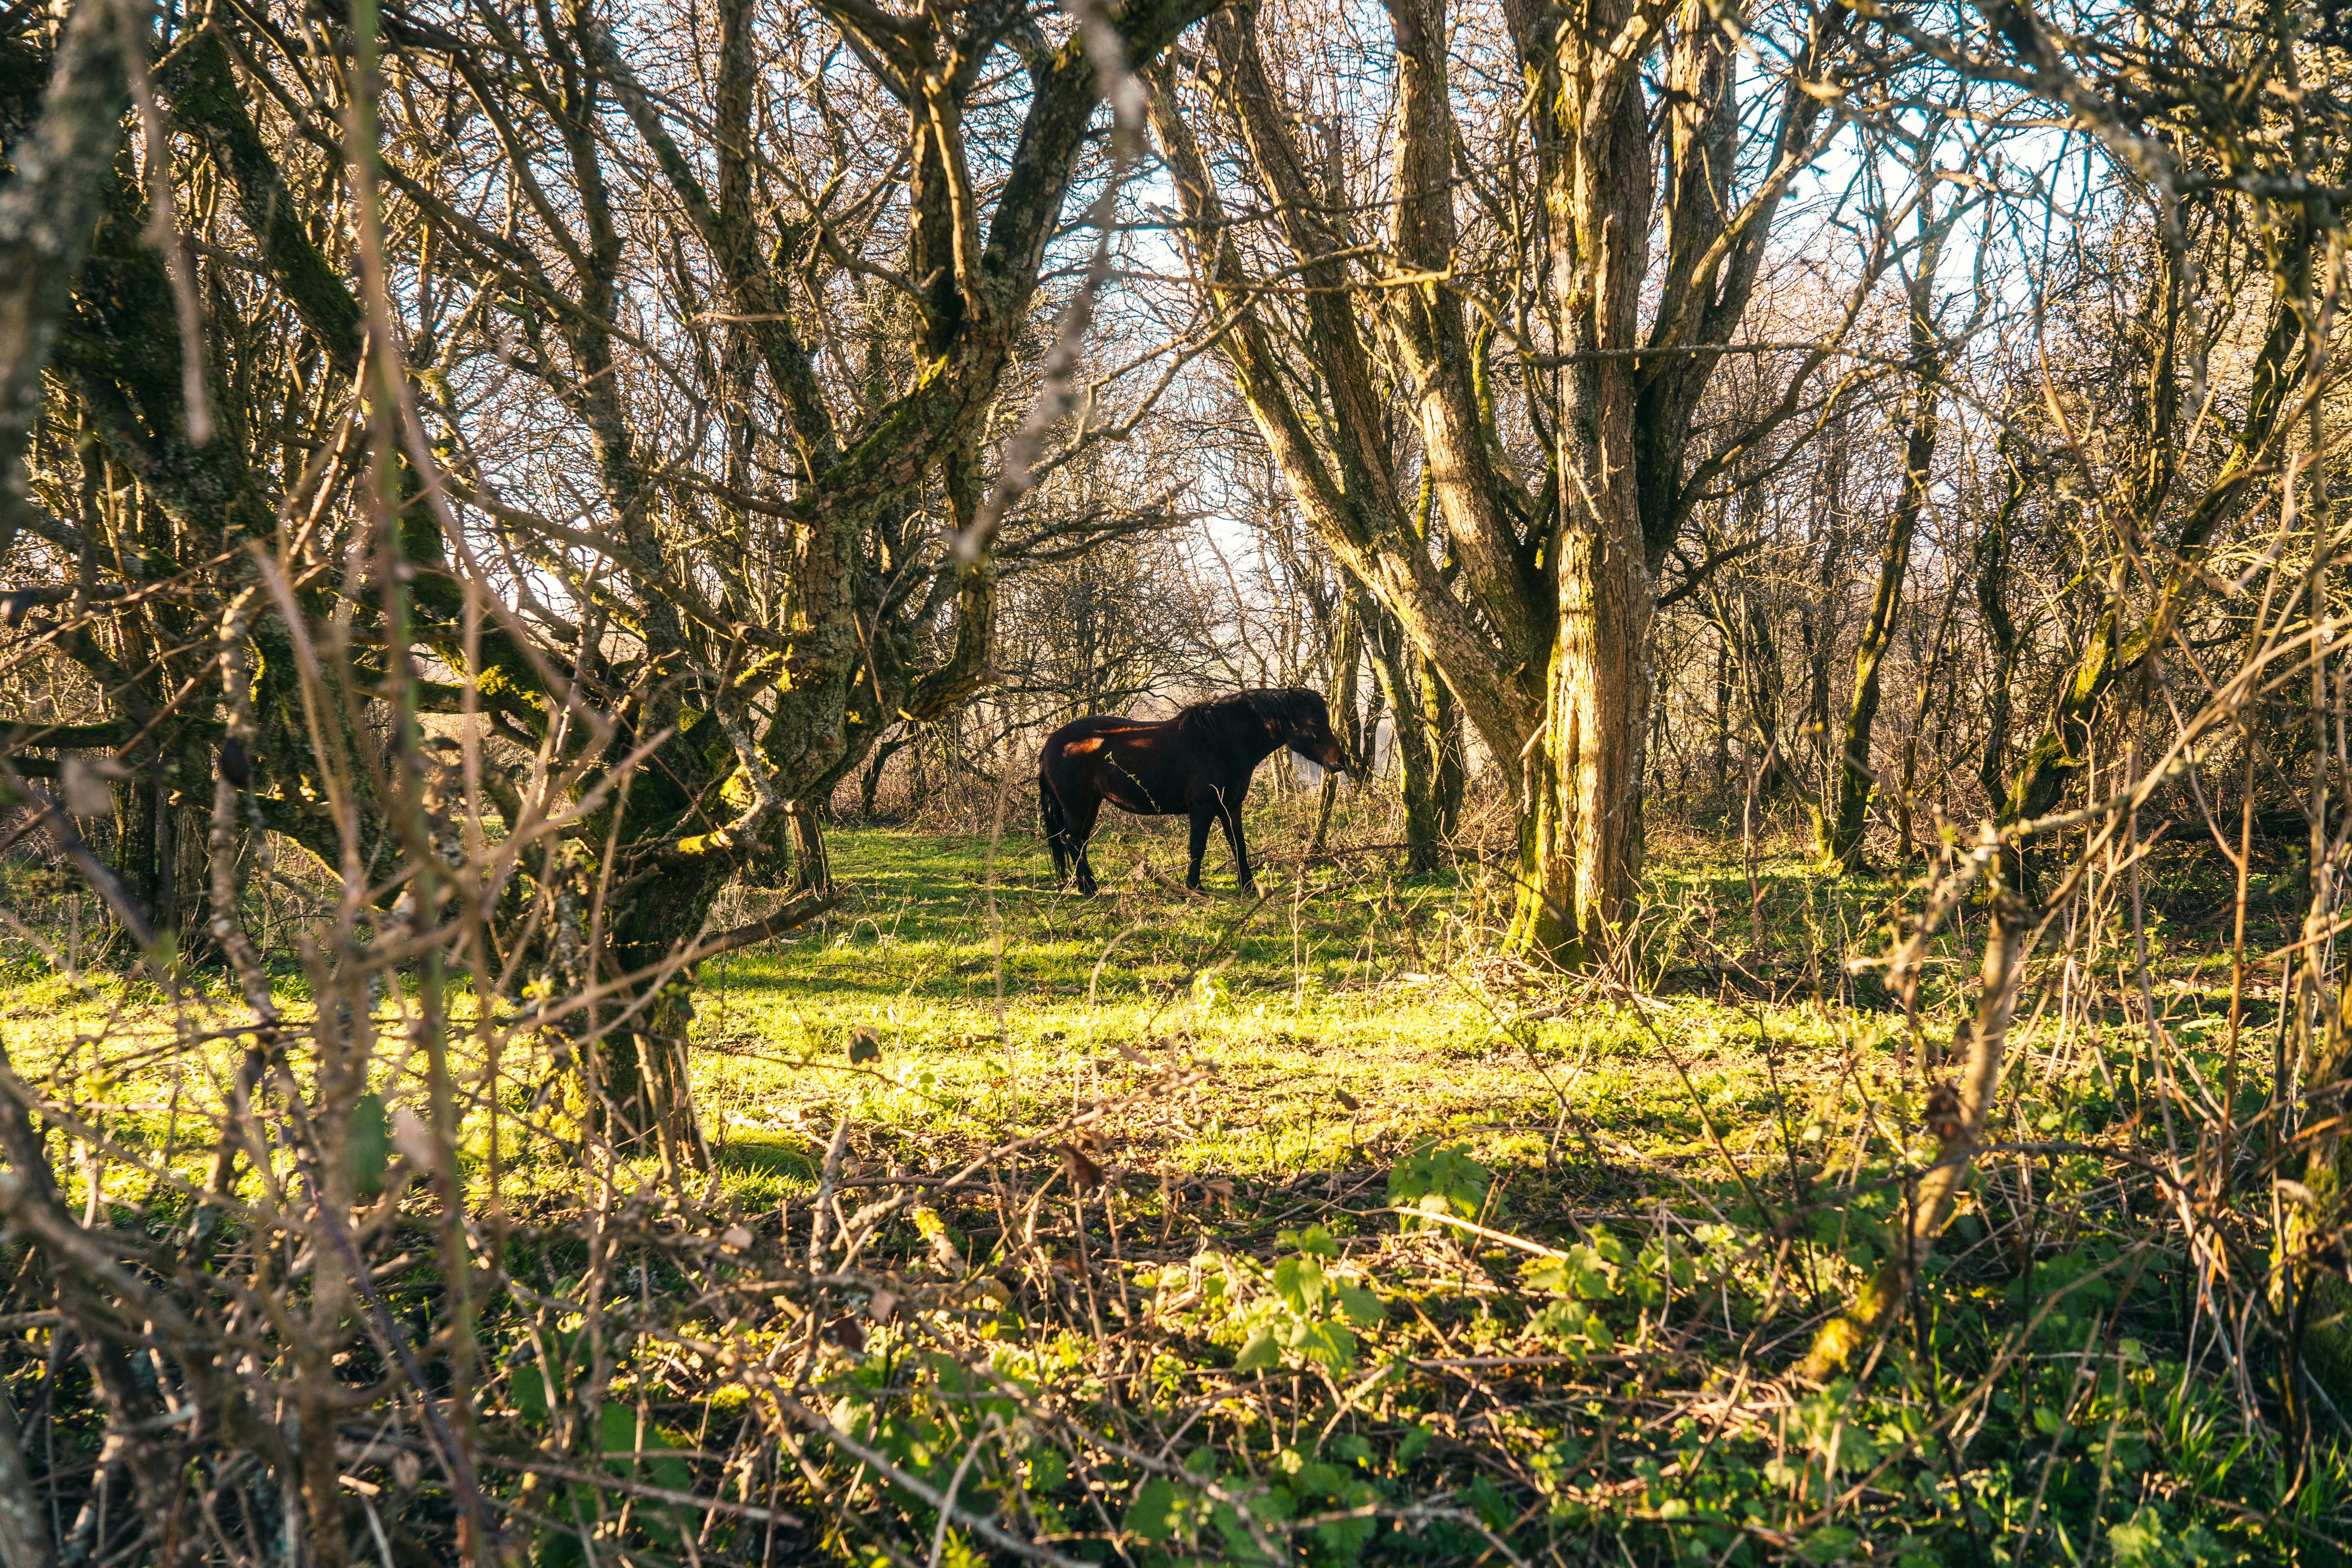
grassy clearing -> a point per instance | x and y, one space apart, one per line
1147 1296
1343 1016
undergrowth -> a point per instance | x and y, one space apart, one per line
1158 1229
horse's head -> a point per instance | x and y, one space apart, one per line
1300 720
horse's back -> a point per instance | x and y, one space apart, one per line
1145 773
1083 737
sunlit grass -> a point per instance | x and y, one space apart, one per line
1350 1012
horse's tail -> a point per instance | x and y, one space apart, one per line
1057 826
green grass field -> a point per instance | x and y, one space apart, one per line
1206 1110
1339 1018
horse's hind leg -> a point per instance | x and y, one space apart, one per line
1049 811
1081 831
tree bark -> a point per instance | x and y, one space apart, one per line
1838 830
47 213
2002 639
1580 774
1419 767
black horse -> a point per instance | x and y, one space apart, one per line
1199 763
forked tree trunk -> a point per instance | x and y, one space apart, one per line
1581 776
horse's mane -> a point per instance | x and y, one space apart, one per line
1276 709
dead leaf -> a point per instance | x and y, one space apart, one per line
86 792
846 1332
1942 1117
1084 1174
865 1046
1347 1099
414 1139
881 1305
2298 1192
736 1236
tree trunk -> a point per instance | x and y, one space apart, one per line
1819 628
1924 699
1838 831
1580 813
1581 776
812 867
2310 1297
1542 637
2001 638
1441 718
1344 657
1417 762
1721 758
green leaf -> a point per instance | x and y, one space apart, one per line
1416 1438
1328 1343
1545 1274
559 1548
1157 1509
2147 1540
1440 1179
1260 1352
1363 1309
1313 1240
1830 1544
367 1144
1299 1282
1324 1480
1048 1467
528 1387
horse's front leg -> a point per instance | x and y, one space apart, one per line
1202 816
1246 878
